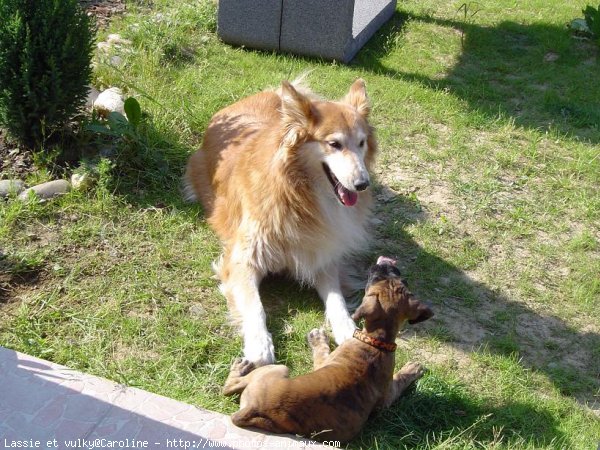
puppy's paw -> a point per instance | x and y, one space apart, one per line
259 350
413 370
317 337
241 367
236 382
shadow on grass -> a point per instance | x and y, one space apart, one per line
535 74
441 414
439 411
471 317
504 332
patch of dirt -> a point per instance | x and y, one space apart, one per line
103 10
15 162
446 355
14 284
411 182
18 278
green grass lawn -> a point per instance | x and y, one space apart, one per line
488 187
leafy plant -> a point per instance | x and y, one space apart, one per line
592 19
119 126
134 157
45 54
589 25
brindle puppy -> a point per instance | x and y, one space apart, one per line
334 401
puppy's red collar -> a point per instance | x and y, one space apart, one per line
363 337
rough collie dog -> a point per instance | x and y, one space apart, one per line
283 177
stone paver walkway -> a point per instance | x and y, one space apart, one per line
48 406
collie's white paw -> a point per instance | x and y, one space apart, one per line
342 328
259 350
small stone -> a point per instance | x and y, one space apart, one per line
8 187
46 191
107 151
82 181
116 39
93 94
197 310
110 100
550 57
104 47
116 61
376 222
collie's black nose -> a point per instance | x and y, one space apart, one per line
361 185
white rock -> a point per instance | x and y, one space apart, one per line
116 61
116 39
110 100
82 181
93 94
197 310
46 191
103 47
10 186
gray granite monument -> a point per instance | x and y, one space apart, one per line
330 29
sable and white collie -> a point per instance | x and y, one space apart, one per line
283 177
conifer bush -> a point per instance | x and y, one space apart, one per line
45 55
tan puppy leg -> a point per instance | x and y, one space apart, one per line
402 379
319 342
242 373
254 385
237 381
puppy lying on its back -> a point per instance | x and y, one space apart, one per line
334 401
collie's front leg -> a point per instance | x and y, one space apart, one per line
240 287
329 289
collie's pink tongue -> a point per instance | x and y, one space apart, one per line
349 198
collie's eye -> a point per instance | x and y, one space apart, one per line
335 144
361 143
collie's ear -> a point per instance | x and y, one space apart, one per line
295 111
357 97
